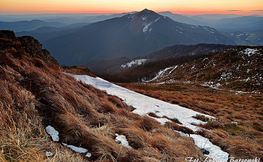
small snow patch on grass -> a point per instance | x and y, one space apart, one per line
53 133
78 149
121 139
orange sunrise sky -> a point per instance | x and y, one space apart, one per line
192 7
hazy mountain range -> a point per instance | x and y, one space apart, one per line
220 22
132 35
225 23
27 25
245 30
82 38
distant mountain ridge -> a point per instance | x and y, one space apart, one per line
132 35
171 52
226 23
188 50
19 26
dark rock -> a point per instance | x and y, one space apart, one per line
8 34
34 48
204 151
25 45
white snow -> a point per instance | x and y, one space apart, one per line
49 154
134 62
122 140
144 17
88 155
214 151
145 29
53 133
145 104
78 149
160 74
211 85
173 69
209 29
146 26
249 51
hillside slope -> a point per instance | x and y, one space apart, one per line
36 96
124 63
239 68
146 70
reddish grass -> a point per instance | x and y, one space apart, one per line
172 119
83 115
78 70
244 109
177 127
35 93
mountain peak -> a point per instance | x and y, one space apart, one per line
147 11
145 15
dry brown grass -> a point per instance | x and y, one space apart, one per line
78 70
34 95
177 127
234 145
227 107
22 135
175 120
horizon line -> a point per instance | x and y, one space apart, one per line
190 13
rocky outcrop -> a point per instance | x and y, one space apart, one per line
26 45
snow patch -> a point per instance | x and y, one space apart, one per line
249 51
78 149
121 139
134 62
143 17
49 154
53 133
212 85
160 74
214 151
211 30
173 69
55 137
145 29
145 105
146 26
